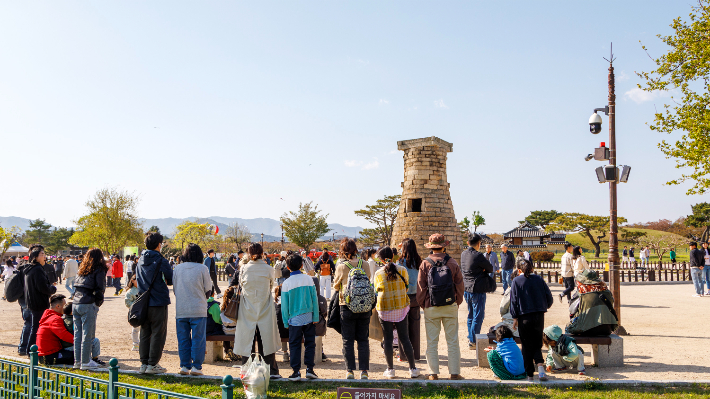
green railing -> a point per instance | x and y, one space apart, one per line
30 381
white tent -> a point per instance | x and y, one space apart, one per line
16 249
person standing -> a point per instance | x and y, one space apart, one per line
230 268
258 331
492 257
672 256
441 310
128 265
38 289
90 285
579 261
71 267
154 330
355 326
212 268
50 272
632 259
325 267
473 266
697 264
567 272
308 267
117 271
411 260
530 297
706 266
300 313
59 268
192 285
644 257
625 256
391 285
507 264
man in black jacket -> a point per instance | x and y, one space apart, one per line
38 289
474 266
51 273
507 265
697 263
212 267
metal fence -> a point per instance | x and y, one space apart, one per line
30 381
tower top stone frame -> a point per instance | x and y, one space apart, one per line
426 206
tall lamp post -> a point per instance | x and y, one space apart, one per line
611 175
282 237
262 240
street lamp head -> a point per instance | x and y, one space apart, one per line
589 157
595 123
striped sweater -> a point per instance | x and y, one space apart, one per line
298 296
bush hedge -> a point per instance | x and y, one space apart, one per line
542 256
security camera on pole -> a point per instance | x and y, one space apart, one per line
610 174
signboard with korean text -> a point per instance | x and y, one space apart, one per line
369 393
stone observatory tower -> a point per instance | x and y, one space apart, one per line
426 206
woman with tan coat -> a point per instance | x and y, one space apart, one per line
257 330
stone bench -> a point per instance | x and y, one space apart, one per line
215 348
611 353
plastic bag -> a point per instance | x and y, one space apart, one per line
255 377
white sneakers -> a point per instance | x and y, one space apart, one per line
389 373
414 373
77 365
218 296
157 369
90 366
195 371
184 371
135 348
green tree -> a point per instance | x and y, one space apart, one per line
382 214
477 220
464 226
7 237
111 222
305 226
38 232
685 68
58 240
370 237
191 232
154 229
541 218
700 219
630 236
594 227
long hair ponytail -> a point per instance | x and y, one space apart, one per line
386 254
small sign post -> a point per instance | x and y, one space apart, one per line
369 393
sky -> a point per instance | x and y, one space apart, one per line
246 109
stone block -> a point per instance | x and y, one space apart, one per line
611 355
215 352
481 345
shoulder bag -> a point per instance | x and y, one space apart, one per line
232 309
138 312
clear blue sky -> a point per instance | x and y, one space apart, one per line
226 108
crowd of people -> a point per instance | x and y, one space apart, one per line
379 294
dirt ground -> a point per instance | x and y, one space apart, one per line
668 341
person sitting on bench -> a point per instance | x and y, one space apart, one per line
592 309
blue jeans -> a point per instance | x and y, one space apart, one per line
84 330
476 312
505 276
69 284
697 275
95 348
296 334
191 334
26 332
35 315
706 276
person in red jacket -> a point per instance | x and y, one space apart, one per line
117 272
53 337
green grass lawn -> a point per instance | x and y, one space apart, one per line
327 390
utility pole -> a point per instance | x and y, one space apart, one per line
282 237
613 258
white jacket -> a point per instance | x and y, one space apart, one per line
71 268
580 264
567 265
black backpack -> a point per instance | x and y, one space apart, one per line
441 283
15 286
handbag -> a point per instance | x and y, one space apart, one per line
138 312
334 321
484 283
232 309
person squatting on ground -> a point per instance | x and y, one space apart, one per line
131 295
391 285
90 285
562 351
506 360
440 291
153 271
474 266
257 314
300 313
192 285
411 260
355 325
530 297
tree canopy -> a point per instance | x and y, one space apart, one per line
111 222
477 220
594 227
685 68
189 232
38 232
383 215
701 219
304 226
541 218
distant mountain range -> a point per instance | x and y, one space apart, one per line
271 228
